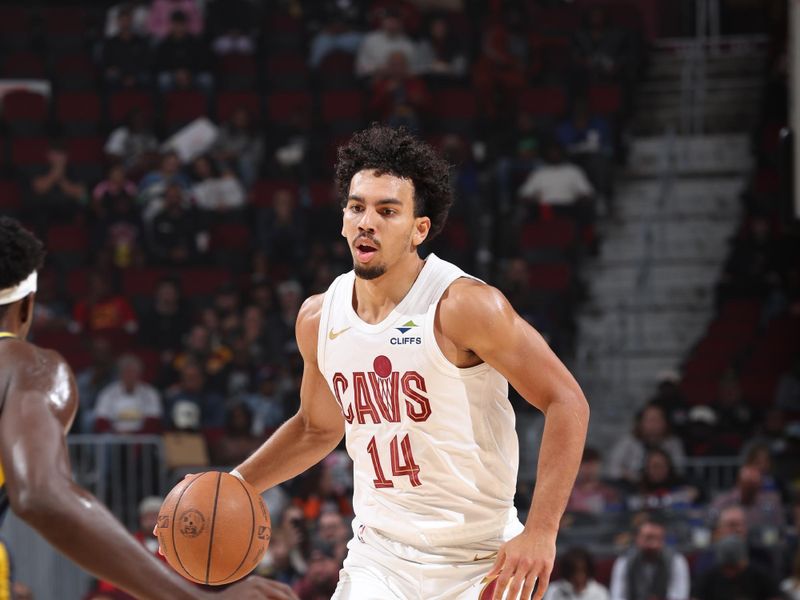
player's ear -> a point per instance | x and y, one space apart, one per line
422 226
26 308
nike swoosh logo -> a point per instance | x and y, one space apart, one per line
333 335
487 557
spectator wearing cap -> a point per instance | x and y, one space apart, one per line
734 576
128 405
577 579
192 390
379 44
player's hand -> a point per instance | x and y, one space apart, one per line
520 563
258 588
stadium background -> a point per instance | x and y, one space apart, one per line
662 266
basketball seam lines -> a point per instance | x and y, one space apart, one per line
213 522
252 530
174 514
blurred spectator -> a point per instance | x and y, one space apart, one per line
651 431
763 507
293 529
577 579
118 235
787 394
588 141
337 34
560 184
670 398
239 146
201 348
759 455
166 321
149 508
440 52
734 576
231 25
20 591
214 191
499 71
660 487
650 569
598 49
140 11
791 585
282 230
92 380
734 415
153 186
518 155
731 521
320 489
322 575
177 237
590 494
333 530
751 265
58 195
103 309
181 60
266 403
128 405
162 14
238 441
126 55
51 312
134 143
378 45
398 97
192 389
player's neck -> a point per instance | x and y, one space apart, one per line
374 299
9 323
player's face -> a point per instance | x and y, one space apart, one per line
379 222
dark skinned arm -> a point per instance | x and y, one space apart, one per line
40 403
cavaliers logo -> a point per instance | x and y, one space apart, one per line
193 523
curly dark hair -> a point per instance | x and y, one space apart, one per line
21 253
397 152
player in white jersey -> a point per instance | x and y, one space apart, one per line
411 359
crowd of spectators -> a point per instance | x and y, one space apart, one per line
178 312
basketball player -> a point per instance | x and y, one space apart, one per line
411 359
38 400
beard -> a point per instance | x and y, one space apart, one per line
369 272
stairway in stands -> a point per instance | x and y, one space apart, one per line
677 204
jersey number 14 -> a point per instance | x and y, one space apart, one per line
399 468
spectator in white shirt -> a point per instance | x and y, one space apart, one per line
128 405
378 45
650 569
556 182
577 579
213 191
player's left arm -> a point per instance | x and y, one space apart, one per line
478 319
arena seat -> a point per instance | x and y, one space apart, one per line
455 109
550 276
342 110
182 107
25 112
10 196
286 72
605 99
236 72
28 154
264 189
228 102
122 103
283 105
550 101
24 65
78 112
74 71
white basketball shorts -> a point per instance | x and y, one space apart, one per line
379 568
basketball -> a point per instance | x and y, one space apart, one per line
213 528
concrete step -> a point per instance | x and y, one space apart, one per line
689 155
710 197
642 332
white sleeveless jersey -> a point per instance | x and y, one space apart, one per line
434 447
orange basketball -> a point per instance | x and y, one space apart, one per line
213 528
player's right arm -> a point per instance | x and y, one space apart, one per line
316 429
35 461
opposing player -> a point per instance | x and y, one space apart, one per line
38 400
411 359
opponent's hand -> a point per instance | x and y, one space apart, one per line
258 588
521 561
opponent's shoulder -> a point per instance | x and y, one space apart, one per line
307 325
31 366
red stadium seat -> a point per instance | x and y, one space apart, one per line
142 282
10 196
203 282
64 20
86 156
77 282
322 194
230 236
25 112
342 110
75 72
282 105
236 72
544 101
67 238
287 72
228 102
605 99
183 106
263 190
557 233
24 65
78 112
336 71
29 151
455 105
552 277
122 103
